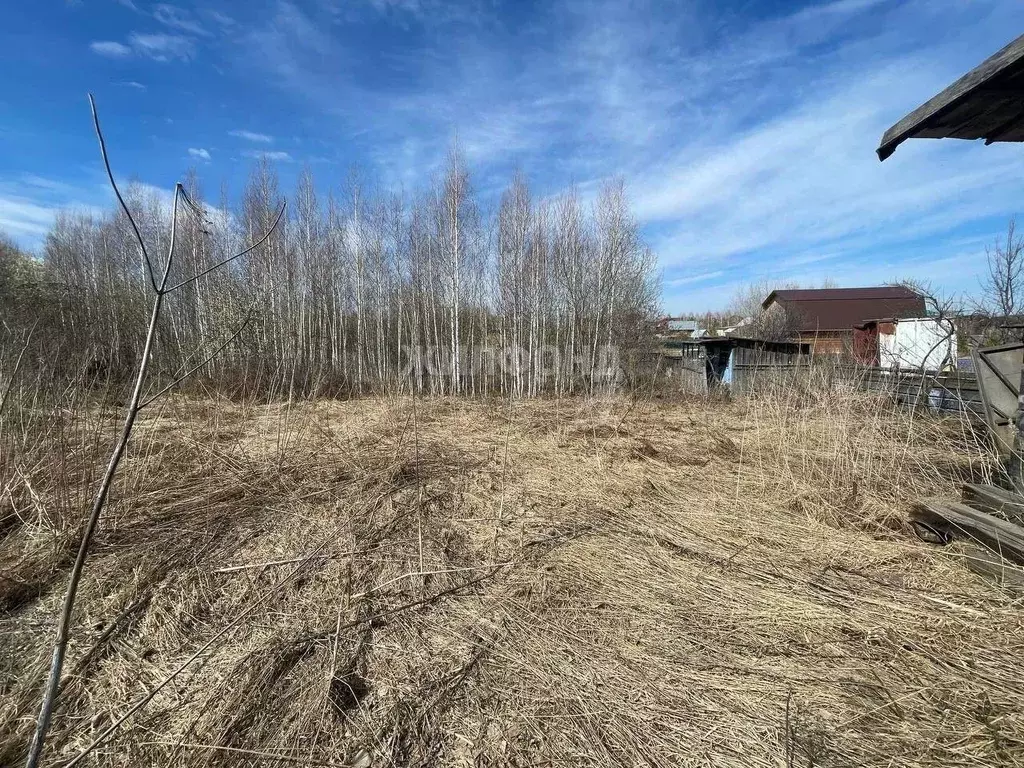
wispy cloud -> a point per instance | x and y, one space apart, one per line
133 84
225 21
200 154
25 219
29 204
279 156
158 47
413 7
698 278
259 138
161 47
178 18
110 48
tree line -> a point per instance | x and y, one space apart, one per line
359 291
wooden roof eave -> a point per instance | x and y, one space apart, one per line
976 93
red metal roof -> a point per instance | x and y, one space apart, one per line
839 309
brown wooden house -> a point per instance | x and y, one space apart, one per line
825 317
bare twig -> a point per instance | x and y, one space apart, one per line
196 208
251 248
64 621
289 561
124 206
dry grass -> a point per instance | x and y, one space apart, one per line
556 583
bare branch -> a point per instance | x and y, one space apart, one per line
64 620
170 248
1002 287
124 206
238 255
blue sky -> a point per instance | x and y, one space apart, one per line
745 130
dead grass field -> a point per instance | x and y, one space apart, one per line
546 583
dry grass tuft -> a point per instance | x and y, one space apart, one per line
560 583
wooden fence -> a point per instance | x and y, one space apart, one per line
947 392
754 368
954 392
760 371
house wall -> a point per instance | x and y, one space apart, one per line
829 342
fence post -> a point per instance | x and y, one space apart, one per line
1016 465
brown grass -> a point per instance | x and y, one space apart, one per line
556 583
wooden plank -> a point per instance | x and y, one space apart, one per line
995 501
953 520
992 566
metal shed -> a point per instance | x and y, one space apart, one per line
986 103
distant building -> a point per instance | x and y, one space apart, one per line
825 317
734 330
676 326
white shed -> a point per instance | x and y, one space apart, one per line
917 343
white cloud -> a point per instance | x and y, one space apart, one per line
810 177
162 47
30 203
110 48
200 154
133 84
404 6
276 156
260 138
